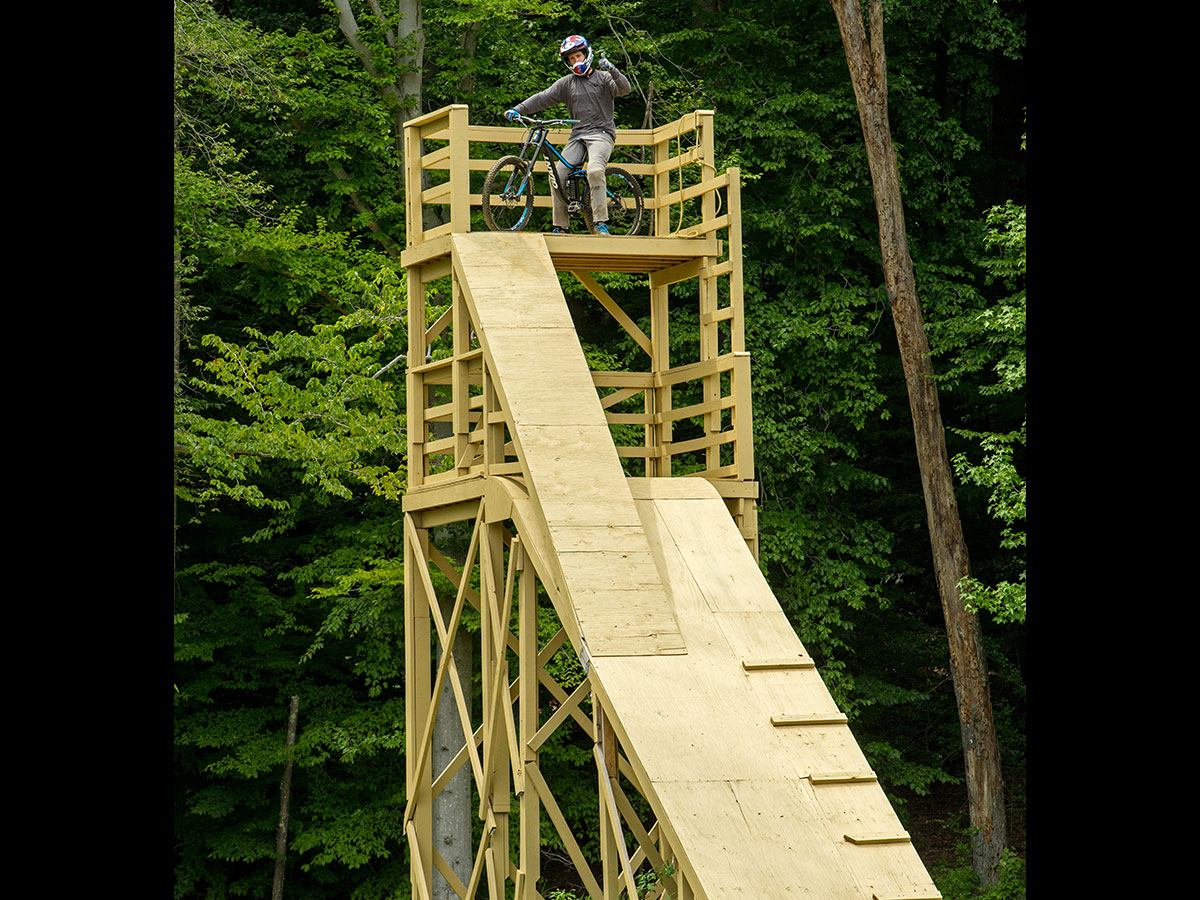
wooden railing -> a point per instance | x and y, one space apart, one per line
694 419
715 420
674 164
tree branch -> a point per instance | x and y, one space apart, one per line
402 356
388 34
349 27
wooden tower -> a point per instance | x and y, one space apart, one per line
593 534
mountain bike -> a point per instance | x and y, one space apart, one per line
508 189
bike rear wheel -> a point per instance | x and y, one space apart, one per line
625 205
507 197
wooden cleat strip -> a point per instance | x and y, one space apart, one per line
809 719
841 777
879 837
795 662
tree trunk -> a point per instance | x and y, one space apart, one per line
985 789
452 807
285 802
407 42
470 45
411 48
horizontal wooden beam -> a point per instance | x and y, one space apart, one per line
443 113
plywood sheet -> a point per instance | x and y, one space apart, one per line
570 538
574 476
716 554
735 788
541 396
888 869
672 489
518 269
686 595
758 839
760 634
689 720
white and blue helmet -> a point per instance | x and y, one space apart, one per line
569 46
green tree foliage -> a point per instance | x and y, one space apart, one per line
992 340
288 430
289 583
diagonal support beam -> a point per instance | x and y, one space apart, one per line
446 664
534 777
630 326
614 820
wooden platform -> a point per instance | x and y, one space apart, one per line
591 252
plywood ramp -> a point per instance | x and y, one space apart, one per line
754 776
563 441
758 809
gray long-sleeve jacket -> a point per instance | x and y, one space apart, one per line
590 100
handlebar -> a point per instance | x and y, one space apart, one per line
526 120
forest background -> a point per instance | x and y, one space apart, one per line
289 386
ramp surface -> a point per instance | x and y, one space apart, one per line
748 764
562 438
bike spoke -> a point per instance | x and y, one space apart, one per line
508 195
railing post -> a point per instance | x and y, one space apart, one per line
661 220
414 223
460 392
710 348
660 361
460 173
708 162
415 388
530 812
743 417
738 325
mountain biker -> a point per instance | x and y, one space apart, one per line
588 93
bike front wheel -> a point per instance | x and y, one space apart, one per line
625 206
507 197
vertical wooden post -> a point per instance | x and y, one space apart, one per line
738 323
415 388
650 431
708 162
609 854
530 811
496 792
660 342
459 390
414 226
417 699
493 422
743 417
460 173
710 349
662 186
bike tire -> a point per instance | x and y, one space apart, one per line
507 197
625 204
